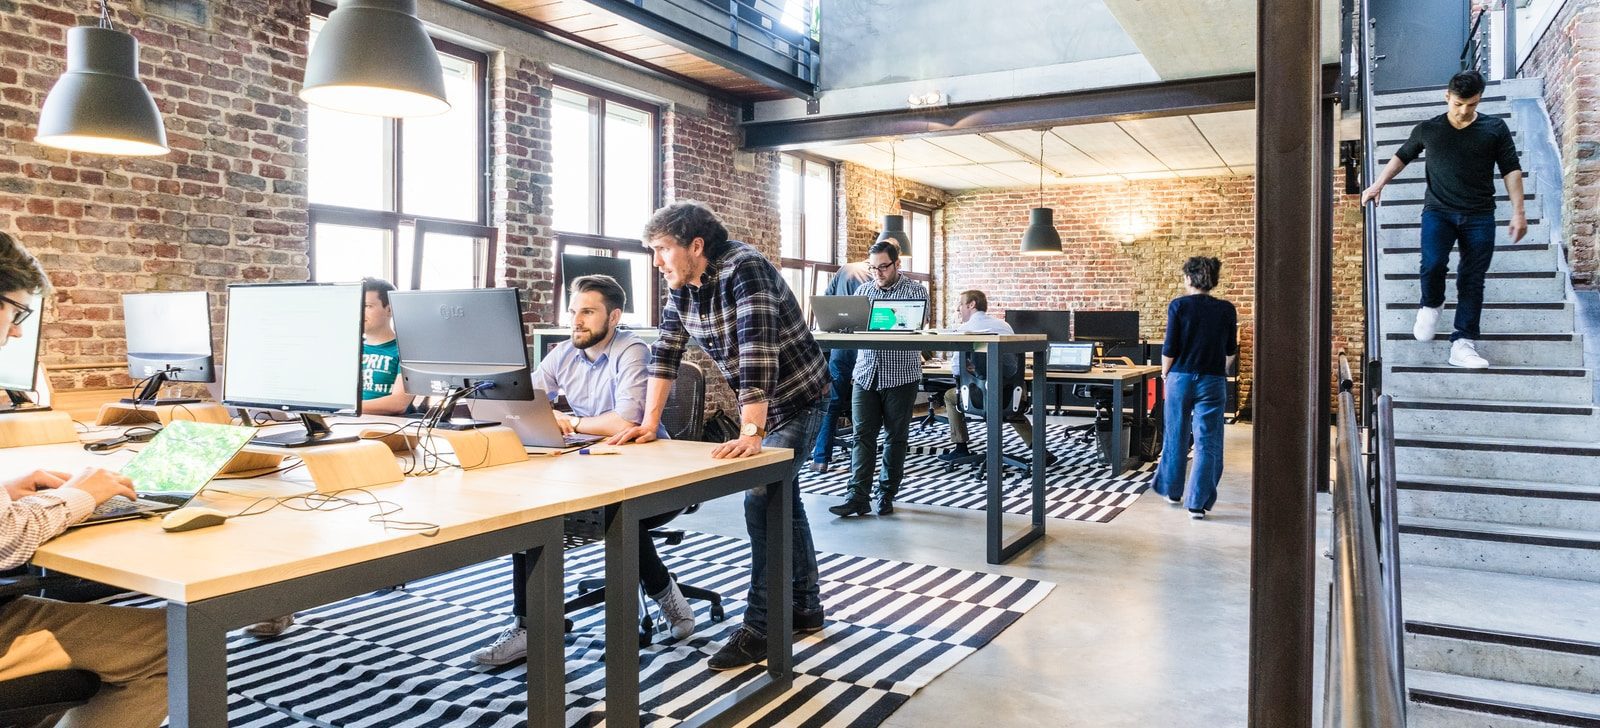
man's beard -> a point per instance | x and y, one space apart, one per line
587 339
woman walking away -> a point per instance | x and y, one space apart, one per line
1202 341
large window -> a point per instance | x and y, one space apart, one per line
604 149
919 225
404 199
805 209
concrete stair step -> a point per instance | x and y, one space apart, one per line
1518 258
1409 116
1498 457
1439 700
1493 91
1409 210
1493 418
1533 317
1409 187
1389 138
1509 349
1409 234
1497 286
1543 385
1486 500
1557 553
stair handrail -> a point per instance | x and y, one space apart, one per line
1472 52
1364 687
1372 368
1387 500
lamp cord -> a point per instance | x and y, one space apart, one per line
1041 167
105 15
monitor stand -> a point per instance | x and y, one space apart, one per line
317 432
149 395
17 401
448 405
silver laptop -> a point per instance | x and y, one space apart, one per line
533 420
174 468
1071 357
897 316
841 314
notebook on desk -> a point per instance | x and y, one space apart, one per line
897 316
174 468
1071 357
533 420
840 314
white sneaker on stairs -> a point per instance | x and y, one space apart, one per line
1464 353
1427 323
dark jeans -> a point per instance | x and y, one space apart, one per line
794 433
841 362
874 410
653 574
1440 232
1194 404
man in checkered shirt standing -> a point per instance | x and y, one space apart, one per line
885 390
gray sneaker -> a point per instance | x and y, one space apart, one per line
510 646
270 628
676 609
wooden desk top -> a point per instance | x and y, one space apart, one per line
863 336
1098 374
283 544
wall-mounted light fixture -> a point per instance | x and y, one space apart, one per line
925 100
98 105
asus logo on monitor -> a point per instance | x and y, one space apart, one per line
451 312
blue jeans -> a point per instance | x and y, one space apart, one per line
1194 408
840 363
795 433
1440 231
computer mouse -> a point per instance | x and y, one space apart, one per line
191 518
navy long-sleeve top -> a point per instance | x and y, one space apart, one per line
1202 332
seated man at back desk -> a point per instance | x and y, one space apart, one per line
601 372
125 647
973 309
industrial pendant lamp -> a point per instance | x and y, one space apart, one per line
894 226
1041 237
373 57
98 104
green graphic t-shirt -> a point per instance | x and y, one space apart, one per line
380 364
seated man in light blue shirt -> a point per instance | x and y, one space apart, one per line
973 308
601 372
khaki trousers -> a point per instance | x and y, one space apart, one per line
126 647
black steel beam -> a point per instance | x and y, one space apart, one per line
1119 103
711 49
1289 279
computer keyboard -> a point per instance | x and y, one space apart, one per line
119 505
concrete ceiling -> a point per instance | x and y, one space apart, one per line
1195 38
1201 145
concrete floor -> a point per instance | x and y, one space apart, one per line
1147 624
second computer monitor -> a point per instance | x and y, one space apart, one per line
1055 325
19 359
462 340
1108 327
295 348
169 334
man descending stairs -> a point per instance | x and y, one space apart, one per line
1498 467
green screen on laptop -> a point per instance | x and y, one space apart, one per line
185 456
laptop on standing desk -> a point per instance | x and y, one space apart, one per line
173 469
898 315
840 314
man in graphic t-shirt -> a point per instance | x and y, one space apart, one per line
383 392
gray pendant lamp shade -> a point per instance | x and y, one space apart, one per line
98 105
1041 237
894 229
373 57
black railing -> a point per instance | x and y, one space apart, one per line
1474 53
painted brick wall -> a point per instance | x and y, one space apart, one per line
227 204
1567 57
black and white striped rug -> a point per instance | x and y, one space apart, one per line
1079 487
400 658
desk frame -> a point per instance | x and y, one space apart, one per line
1119 384
1000 549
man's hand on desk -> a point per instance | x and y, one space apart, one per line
742 447
36 481
567 423
102 484
643 432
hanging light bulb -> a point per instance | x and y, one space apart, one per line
374 57
98 105
894 226
1041 237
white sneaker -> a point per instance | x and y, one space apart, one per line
1464 353
510 646
1427 323
680 617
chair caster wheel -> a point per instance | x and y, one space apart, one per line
717 615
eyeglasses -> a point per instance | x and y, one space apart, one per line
882 268
22 312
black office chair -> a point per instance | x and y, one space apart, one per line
1101 394
684 418
33 699
935 388
972 384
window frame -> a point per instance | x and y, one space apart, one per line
810 269
915 208
616 247
392 219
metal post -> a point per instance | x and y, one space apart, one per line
197 668
1509 39
993 400
1288 277
622 615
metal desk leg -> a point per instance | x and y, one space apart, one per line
622 616
1116 429
1140 412
547 674
1041 453
197 668
999 551
780 583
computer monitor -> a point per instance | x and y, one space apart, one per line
295 347
463 343
577 265
1106 327
1055 325
906 314
169 340
19 361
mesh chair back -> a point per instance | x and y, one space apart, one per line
685 415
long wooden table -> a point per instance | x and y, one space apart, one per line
992 346
258 567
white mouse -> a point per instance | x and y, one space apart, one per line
191 518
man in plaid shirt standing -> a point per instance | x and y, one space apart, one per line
731 299
886 389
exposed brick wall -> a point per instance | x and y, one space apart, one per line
1567 57
520 194
866 195
227 204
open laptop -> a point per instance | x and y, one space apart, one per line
533 420
897 316
1071 357
841 314
173 469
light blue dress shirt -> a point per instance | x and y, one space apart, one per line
613 380
981 323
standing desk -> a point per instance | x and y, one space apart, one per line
992 346
255 568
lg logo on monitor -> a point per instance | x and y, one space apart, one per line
448 312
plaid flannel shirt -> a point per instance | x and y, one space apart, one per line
744 315
885 369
